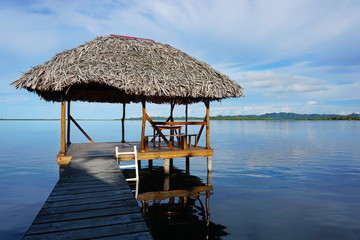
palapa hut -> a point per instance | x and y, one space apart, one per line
120 69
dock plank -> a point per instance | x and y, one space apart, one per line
77 196
91 200
84 207
123 231
64 203
65 191
48 227
83 214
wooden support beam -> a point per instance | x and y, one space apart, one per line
63 129
209 178
171 118
166 162
209 163
187 165
207 104
143 124
61 158
123 124
82 130
199 152
186 117
172 106
68 124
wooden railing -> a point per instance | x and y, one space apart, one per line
157 130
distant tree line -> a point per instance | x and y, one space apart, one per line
289 116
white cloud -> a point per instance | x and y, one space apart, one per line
259 29
280 83
311 103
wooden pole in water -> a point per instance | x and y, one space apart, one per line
187 165
187 159
123 124
68 124
209 158
186 117
207 104
63 129
166 163
209 163
143 102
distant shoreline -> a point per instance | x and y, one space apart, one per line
267 117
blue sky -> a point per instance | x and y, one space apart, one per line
298 56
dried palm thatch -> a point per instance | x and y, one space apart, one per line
122 69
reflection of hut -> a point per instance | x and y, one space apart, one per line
118 69
176 206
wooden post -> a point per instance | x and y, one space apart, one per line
123 124
172 106
186 118
143 102
187 165
166 166
171 118
209 163
68 124
209 178
207 104
63 159
63 129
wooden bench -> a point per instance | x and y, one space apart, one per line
185 140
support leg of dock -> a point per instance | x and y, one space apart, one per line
166 166
209 163
209 178
187 165
150 163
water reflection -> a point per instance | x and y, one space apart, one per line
176 206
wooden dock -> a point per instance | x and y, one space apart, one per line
91 200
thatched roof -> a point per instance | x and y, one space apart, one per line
122 69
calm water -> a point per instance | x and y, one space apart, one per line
271 179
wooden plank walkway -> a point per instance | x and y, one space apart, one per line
90 201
